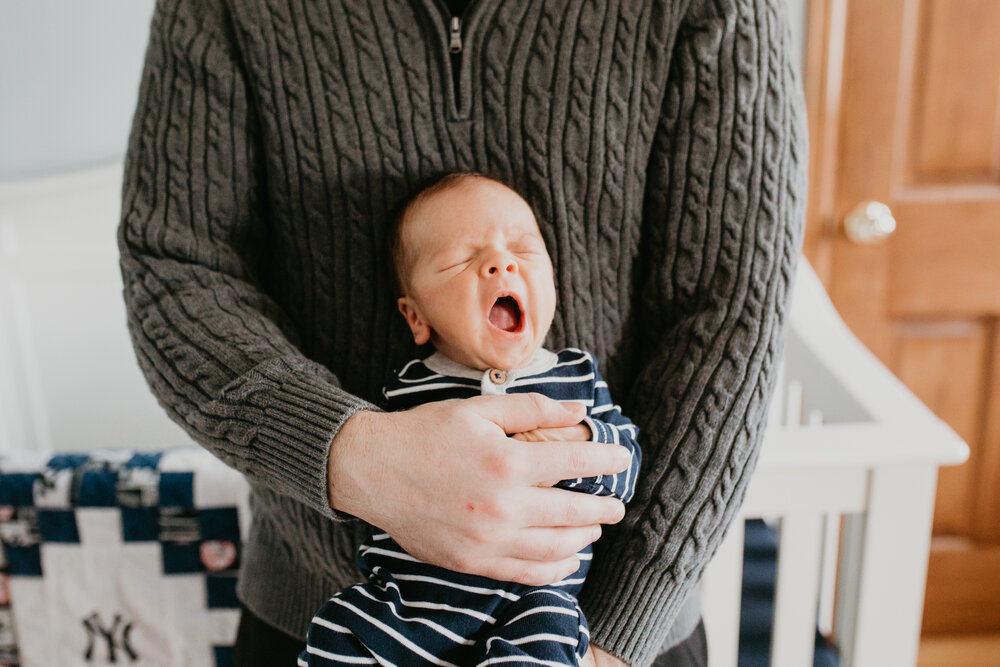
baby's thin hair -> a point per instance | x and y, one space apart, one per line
427 188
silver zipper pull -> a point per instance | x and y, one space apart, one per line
455 46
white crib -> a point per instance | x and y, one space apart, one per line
848 472
846 438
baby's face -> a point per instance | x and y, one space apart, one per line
480 284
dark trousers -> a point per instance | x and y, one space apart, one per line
259 644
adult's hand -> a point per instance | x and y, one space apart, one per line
602 658
445 481
598 657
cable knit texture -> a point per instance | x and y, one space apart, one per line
661 143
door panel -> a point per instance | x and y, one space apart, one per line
904 108
987 487
943 363
945 255
954 134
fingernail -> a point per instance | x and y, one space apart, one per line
625 458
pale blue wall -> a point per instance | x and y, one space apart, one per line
69 78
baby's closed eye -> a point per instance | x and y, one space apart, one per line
456 264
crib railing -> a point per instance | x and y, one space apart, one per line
847 473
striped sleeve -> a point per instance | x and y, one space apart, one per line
608 424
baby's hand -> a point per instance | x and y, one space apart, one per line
578 432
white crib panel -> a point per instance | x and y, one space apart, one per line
720 598
70 378
883 627
841 489
21 421
797 589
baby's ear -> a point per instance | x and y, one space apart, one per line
421 330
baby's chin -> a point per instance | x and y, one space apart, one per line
509 360
486 359
486 350
508 353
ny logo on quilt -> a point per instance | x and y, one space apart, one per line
115 636
84 535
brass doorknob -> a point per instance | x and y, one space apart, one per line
870 222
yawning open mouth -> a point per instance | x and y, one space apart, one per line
505 314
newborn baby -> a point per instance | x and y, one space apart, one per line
477 283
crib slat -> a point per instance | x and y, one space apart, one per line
886 568
828 573
720 598
797 589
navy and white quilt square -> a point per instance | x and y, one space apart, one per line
120 557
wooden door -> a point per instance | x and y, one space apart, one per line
904 106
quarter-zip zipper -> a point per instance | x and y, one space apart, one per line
455 48
455 23
456 18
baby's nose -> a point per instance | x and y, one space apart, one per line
501 264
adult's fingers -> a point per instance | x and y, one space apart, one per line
546 508
515 413
569 460
577 433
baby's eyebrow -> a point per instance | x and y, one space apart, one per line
448 255
535 236
443 246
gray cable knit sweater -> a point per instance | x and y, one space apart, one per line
662 145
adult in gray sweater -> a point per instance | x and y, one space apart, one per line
661 144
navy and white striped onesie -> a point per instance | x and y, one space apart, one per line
413 613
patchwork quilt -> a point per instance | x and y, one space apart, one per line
120 558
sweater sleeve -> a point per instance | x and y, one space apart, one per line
723 214
219 354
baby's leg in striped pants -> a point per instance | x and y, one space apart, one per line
544 627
